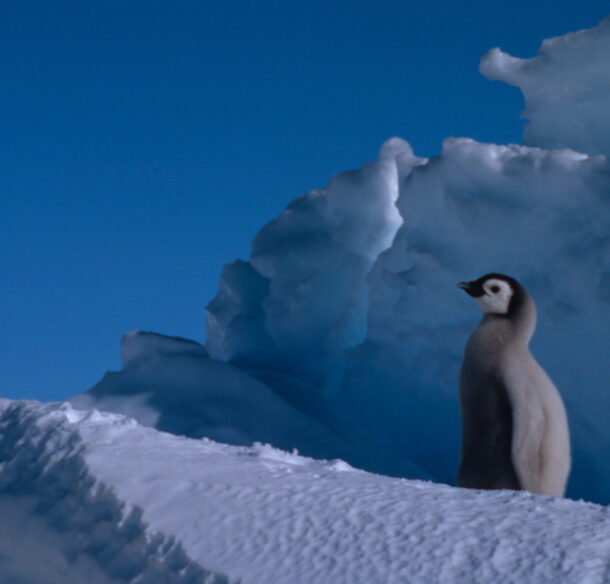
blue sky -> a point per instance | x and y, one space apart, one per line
144 145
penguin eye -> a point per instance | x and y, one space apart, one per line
495 289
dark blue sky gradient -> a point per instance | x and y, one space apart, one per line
144 145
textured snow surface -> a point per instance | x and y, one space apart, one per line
130 503
566 89
60 523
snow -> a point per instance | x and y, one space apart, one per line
56 511
140 345
174 386
566 89
302 297
138 505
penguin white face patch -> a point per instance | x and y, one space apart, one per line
496 297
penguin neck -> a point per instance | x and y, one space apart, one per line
515 328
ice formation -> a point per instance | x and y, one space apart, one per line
302 297
566 89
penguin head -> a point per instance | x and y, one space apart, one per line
494 293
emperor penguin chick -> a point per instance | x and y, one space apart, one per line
514 425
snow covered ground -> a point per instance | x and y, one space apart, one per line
100 498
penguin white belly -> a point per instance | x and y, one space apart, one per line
540 447
528 420
555 459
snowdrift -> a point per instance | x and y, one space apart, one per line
172 384
60 523
96 497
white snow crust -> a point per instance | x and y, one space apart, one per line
60 523
138 505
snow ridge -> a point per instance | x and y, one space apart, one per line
44 474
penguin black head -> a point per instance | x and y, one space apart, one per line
495 293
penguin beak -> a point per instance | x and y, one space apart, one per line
474 289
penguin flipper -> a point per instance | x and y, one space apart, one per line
487 433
